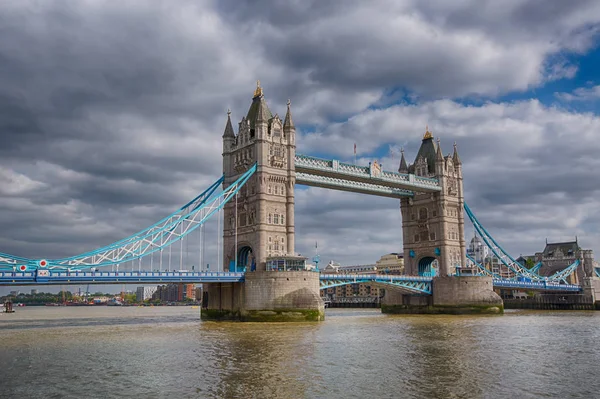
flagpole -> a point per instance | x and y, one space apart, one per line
354 153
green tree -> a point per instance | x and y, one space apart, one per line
529 263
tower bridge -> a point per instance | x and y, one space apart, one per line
260 275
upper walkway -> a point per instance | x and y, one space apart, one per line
333 174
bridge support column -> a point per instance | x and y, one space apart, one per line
451 295
591 289
222 301
266 296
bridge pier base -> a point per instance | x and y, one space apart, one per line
270 296
591 289
451 295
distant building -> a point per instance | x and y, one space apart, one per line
478 250
174 292
392 263
144 293
34 291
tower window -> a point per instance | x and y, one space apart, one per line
282 219
252 133
269 219
422 213
276 219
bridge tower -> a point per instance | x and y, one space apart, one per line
265 205
258 232
433 223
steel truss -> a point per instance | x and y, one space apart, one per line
152 239
412 284
509 261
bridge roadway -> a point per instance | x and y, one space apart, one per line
412 284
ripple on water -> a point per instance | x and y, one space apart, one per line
164 351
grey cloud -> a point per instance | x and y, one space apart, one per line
114 111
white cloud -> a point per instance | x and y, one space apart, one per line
581 94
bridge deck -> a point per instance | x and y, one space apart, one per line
416 284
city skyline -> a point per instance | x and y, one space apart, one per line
111 120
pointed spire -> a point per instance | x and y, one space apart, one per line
455 157
428 134
288 123
439 156
403 167
228 127
258 92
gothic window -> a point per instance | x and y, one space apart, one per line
275 219
269 189
269 247
422 213
270 239
242 219
434 213
252 133
416 238
424 236
269 220
282 219
277 151
282 241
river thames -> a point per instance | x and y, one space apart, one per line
159 352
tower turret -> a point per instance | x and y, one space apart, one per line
403 168
228 143
439 159
289 130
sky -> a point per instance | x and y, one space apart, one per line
111 113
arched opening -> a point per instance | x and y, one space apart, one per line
245 260
428 266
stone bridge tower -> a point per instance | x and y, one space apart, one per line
433 223
265 205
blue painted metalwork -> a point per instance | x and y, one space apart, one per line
340 171
509 261
152 239
536 268
482 270
426 267
411 284
536 285
597 270
47 277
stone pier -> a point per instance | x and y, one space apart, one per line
451 295
266 296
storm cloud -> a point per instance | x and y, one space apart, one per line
111 113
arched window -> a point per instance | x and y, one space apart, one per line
269 219
422 213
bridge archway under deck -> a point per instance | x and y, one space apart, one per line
428 266
246 260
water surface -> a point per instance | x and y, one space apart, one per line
157 352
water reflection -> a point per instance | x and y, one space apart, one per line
164 352
262 360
